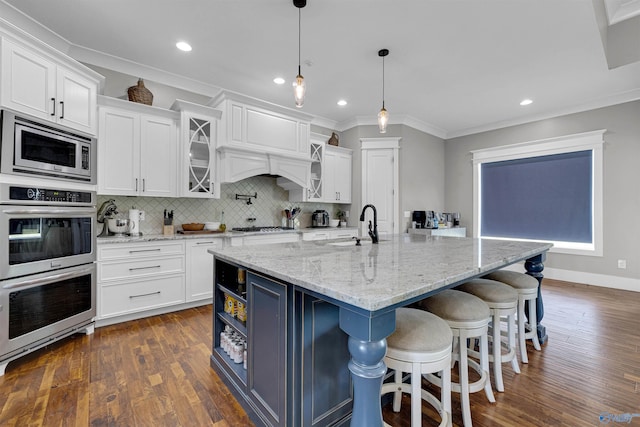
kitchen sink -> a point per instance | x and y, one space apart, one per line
350 243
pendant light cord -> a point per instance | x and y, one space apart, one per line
299 37
383 82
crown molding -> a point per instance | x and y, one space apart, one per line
619 98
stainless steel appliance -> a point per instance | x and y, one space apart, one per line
47 267
30 147
320 218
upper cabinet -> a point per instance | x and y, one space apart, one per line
137 149
198 166
257 137
37 84
330 177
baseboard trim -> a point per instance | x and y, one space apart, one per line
594 279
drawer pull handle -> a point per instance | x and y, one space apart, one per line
204 243
144 268
144 295
145 250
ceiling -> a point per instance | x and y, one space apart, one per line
455 66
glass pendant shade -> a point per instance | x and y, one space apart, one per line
383 119
299 89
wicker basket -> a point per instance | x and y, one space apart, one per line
140 94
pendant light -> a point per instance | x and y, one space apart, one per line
299 87
383 116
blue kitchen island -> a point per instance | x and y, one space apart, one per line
317 315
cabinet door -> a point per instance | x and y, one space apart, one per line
337 176
158 162
325 377
267 353
200 269
28 82
118 152
76 101
199 158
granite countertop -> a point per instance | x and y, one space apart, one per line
228 233
374 277
158 237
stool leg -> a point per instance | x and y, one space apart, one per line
497 350
445 393
416 395
522 339
533 322
463 370
484 365
511 330
397 395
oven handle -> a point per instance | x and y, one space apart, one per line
49 211
49 279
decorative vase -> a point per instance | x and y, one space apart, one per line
140 94
334 139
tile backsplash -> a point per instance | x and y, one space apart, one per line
266 208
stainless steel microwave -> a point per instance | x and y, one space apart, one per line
32 147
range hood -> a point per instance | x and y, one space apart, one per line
256 137
240 163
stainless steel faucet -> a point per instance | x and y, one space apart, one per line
373 232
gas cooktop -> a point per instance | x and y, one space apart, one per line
266 229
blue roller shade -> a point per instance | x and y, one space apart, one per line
544 198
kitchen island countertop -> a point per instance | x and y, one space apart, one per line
374 277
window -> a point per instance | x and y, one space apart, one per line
548 190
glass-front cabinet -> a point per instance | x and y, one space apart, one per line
317 164
198 141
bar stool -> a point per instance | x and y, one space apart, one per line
527 288
502 301
421 344
468 317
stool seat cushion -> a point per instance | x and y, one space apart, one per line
518 281
490 291
456 306
419 332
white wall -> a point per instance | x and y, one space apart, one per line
621 188
421 166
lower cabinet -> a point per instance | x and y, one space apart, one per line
199 274
297 356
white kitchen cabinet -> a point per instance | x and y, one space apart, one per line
35 83
137 150
199 272
138 277
329 233
330 180
198 166
337 174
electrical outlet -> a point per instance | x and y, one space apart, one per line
622 263
407 214
142 216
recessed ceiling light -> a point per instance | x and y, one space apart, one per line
278 81
525 102
342 103
184 46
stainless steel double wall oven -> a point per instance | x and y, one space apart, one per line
47 266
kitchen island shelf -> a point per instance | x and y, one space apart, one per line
233 323
236 368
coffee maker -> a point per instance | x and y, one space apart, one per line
420 218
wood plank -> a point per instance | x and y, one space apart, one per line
156 371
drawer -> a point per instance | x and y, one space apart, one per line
141 250
116 270
139 295
316 235
271 238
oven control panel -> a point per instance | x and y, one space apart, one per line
48 195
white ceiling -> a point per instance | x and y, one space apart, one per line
455 66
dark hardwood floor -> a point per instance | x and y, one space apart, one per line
155 372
